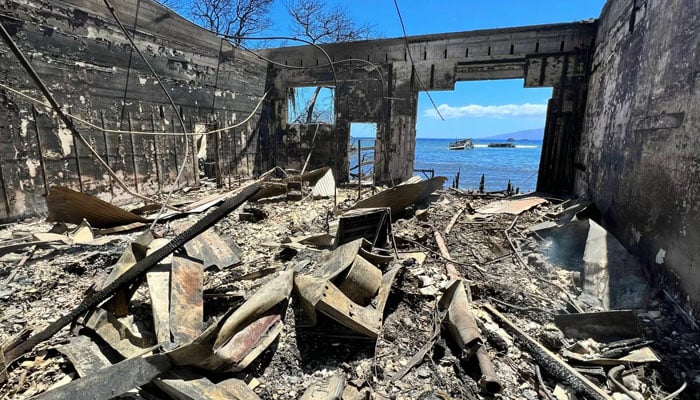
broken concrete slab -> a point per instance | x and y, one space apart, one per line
611 274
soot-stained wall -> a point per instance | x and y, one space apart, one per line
378 81
87 62
639 159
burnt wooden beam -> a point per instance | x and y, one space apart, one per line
135 273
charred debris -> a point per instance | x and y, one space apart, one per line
289 288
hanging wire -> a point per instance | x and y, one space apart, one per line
413 64
62 115
172 103
374 66
185 133
143 133
131 56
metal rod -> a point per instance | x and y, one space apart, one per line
195 151
77 160
104 137
42 163
216 76
359 170
133 153
156 158
4 186
217 150
176 142
236 156
131 55
228 159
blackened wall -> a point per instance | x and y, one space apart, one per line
378 81
639 158
86 61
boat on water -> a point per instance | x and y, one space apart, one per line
462 144
501 145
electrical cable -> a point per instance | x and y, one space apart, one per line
308 42
677 392
413 64
186 134
335 81
131 56
279 64
172 103
62 115
144 133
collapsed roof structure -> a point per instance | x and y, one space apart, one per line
84 108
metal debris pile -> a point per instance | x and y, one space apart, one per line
291 288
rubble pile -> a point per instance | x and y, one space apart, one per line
283 290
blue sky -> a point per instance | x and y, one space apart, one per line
473 109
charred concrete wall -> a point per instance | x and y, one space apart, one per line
638 158
376 81
86 61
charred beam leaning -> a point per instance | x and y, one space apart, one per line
134 273
551 362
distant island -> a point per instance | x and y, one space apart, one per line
528 134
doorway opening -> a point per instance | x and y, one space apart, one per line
505 122
361 153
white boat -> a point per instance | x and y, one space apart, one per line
462 144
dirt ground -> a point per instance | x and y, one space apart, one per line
503 264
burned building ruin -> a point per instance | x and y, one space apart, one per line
621 127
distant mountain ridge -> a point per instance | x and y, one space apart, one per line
527 134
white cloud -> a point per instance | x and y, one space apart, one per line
477 110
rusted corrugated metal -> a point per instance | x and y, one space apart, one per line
66 205
402 196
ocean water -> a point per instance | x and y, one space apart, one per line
498 165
